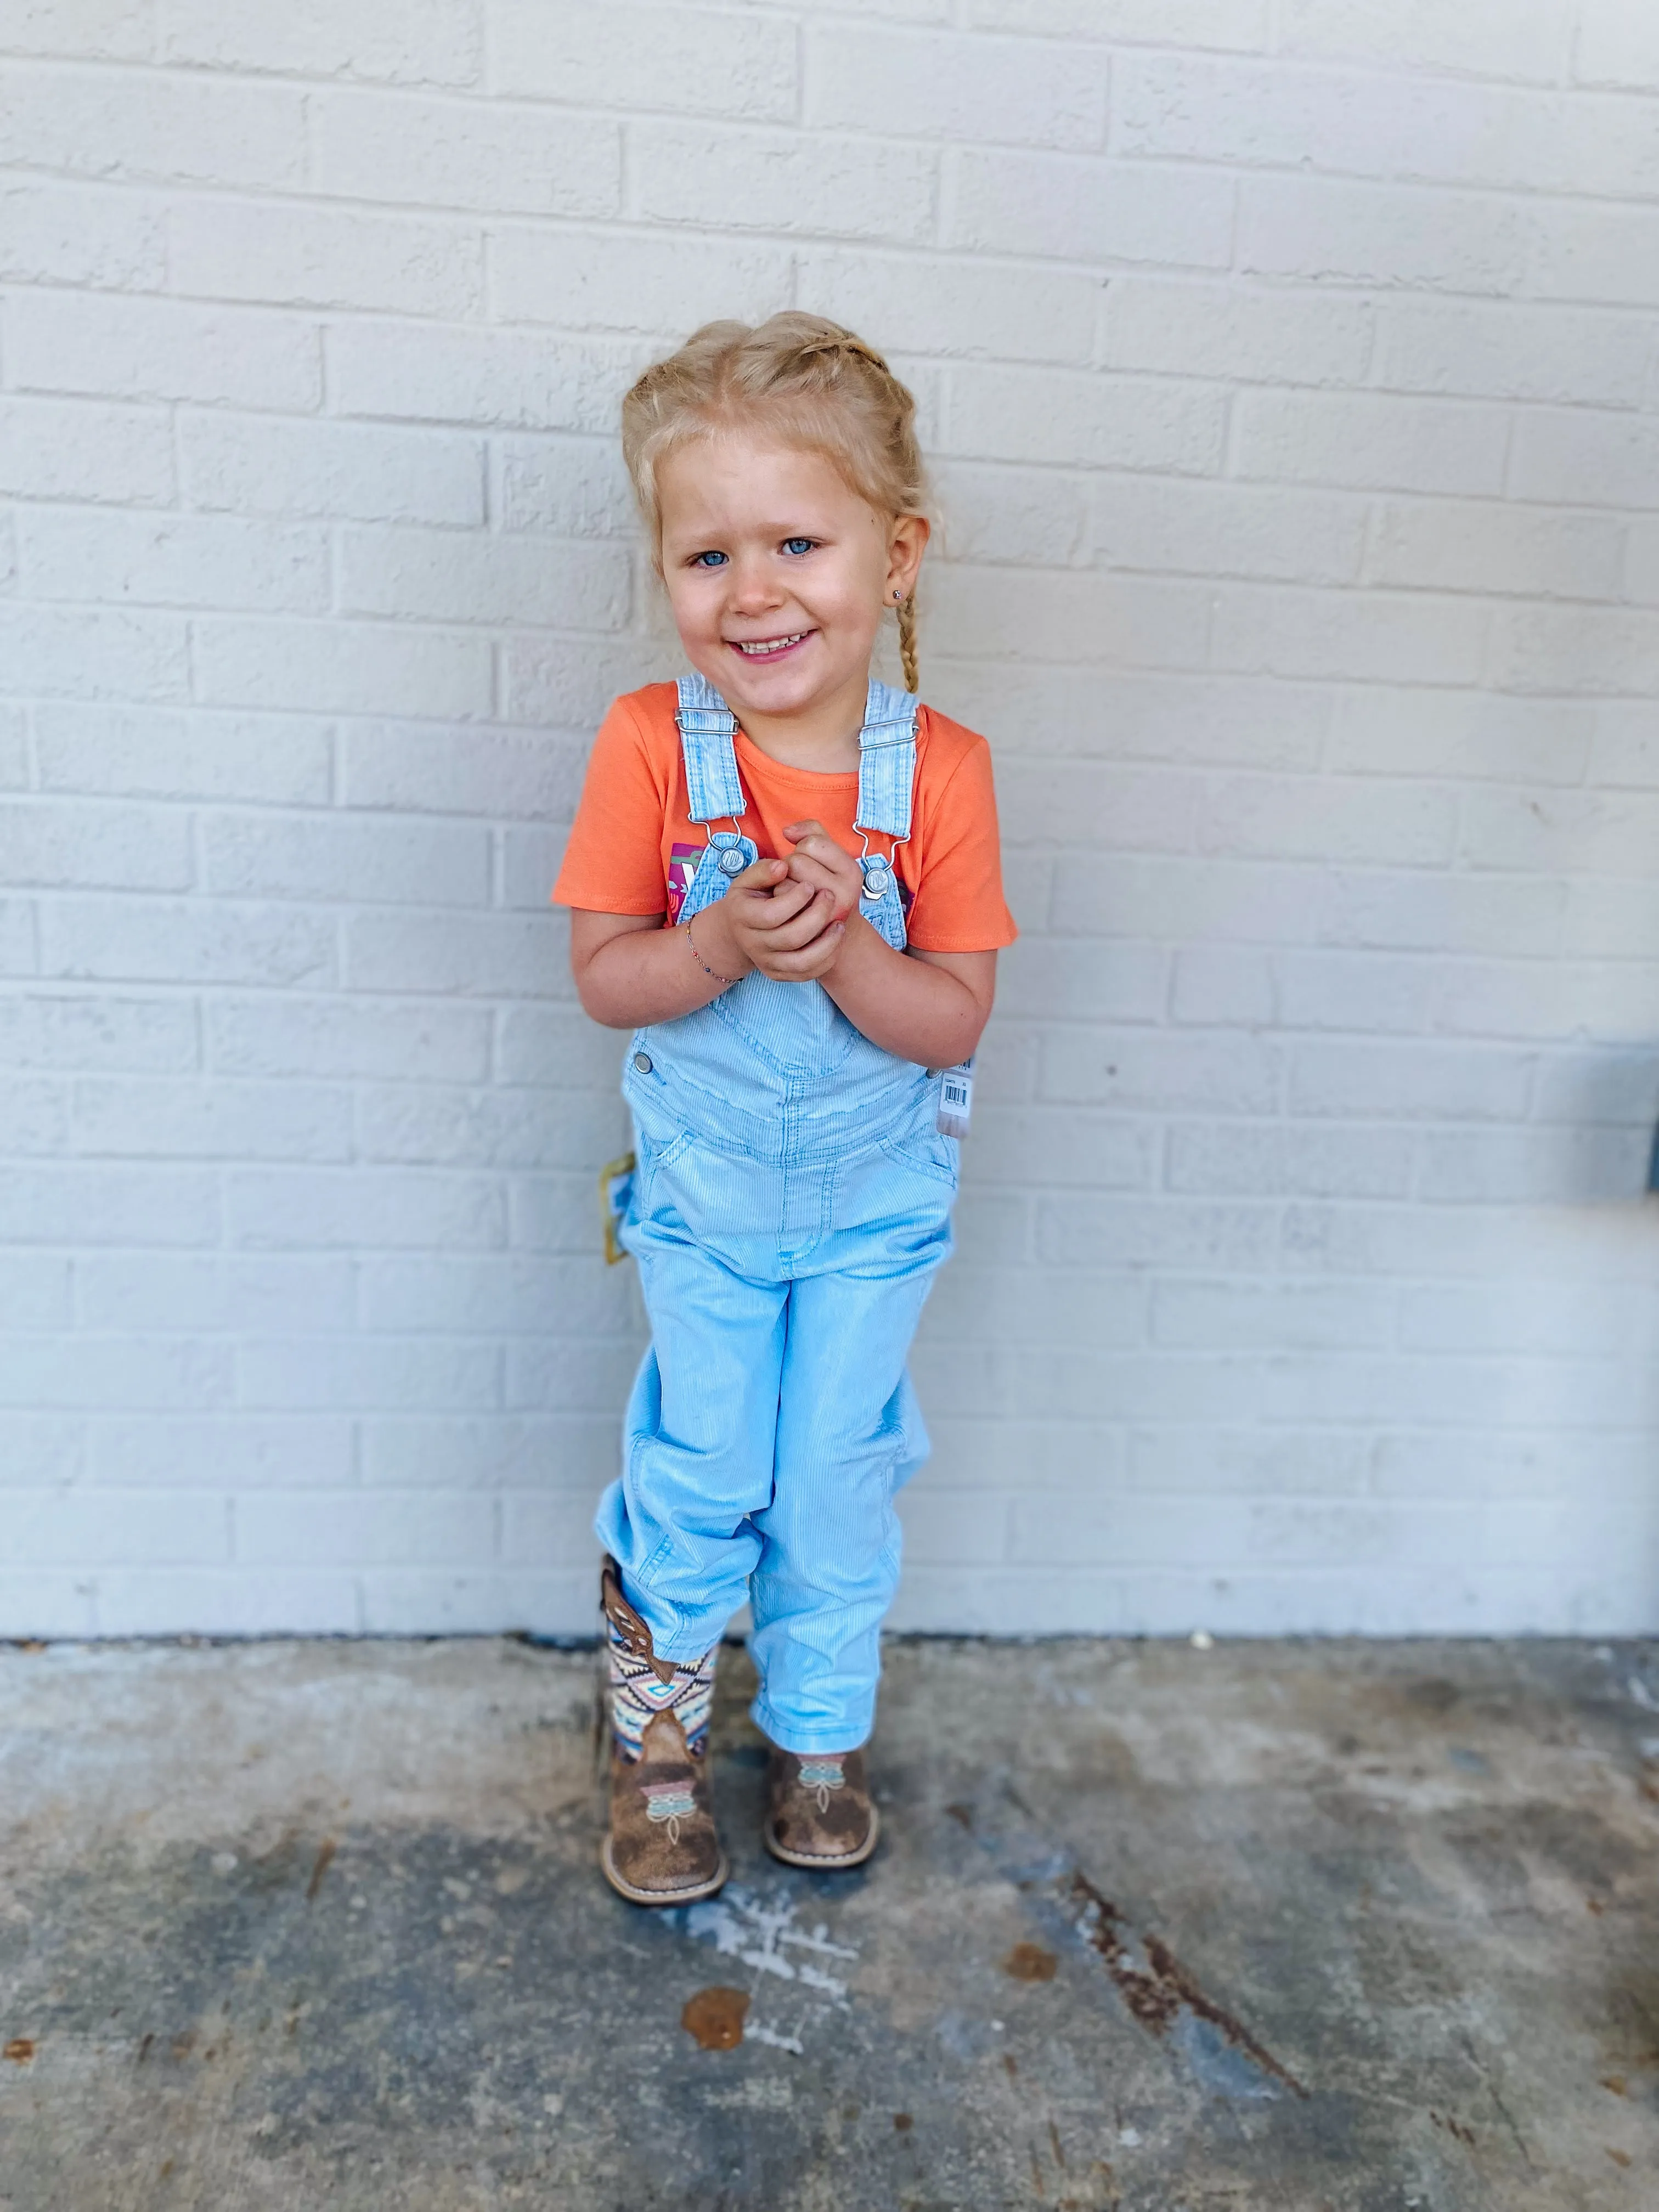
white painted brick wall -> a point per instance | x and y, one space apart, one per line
1292 371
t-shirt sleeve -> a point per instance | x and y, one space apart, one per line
959 906
613 862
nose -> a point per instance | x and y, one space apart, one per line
753 587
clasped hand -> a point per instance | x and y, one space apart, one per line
789 918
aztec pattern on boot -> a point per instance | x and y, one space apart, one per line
638 1694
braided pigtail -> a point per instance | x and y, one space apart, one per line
806 379
907 629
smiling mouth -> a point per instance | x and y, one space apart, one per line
766 649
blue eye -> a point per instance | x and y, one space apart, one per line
798 545
710 560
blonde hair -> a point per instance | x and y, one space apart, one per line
819 386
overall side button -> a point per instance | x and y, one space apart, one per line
642 1062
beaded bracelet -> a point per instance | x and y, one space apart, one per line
702 964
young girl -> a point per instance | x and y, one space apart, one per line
786 883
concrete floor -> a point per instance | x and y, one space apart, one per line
1311 1927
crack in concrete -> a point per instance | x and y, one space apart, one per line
1155 1986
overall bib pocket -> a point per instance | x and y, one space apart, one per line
656 1153
926 1151
662 1133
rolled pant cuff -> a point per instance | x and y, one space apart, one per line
682 1643
688 1647
819 1742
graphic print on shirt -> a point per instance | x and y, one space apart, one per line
682 867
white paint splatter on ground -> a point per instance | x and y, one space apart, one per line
760 1933
741 1925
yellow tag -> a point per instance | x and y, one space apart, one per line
616 1188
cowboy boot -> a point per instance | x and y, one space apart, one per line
663 1847
819 1811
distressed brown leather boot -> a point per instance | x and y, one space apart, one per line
663 1847
819 1810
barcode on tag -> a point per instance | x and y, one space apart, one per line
956 1100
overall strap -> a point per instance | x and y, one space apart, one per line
706 725
887 762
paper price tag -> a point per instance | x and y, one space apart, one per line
615 1189
956 1100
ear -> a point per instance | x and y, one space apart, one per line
907 541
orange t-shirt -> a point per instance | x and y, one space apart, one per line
633 847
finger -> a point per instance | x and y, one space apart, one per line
764 896
825 855
800 967
760 876
767 910
824 848
807 927
795 831
845 884
805 868
813 961
842 899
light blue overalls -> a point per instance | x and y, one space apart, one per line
791 1202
